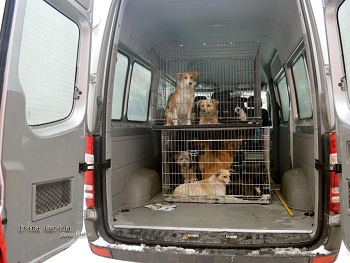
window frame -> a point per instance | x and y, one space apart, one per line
296 60
127 73
129 91
278 81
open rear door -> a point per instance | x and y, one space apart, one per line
45 53
337 14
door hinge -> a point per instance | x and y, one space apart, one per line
84 167
337 167
342 84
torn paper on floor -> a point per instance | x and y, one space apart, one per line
161 207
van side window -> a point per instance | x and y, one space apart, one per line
344 26
284 97
302 89
47 63
139 93
120 74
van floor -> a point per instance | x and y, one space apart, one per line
217 217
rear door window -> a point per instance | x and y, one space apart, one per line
344 25
47 63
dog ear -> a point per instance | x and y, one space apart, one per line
176 155
218 173
198 102
195 73
179 75
216 102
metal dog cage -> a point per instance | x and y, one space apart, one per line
191 155
228 72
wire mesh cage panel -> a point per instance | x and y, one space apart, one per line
216 165
222 86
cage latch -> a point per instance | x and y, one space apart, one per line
84 167
327 167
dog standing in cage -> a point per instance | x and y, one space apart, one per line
214 186
208 111
181 102
212 161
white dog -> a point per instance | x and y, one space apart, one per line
215 186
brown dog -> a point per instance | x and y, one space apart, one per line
208 111
187 167
182 100
211 161
214 186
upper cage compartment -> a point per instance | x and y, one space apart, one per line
228 74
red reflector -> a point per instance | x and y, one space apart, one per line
333 143
101 251
334 203
89 175
324 259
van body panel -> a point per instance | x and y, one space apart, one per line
44 94
338 53
46 111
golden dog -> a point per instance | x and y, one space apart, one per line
214 186
182 100
208 111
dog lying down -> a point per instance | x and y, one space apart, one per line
215 186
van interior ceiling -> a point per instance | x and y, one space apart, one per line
239 49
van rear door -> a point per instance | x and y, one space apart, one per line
337 13
45 54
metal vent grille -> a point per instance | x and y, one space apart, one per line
52 196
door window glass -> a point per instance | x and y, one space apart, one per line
284 97
47 63
302 89
344 27
139 93
120 73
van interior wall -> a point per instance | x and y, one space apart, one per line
130 151
304 157
143 28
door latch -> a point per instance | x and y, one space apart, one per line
327 167
84 167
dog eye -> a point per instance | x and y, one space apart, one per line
186 78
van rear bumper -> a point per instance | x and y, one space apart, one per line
143 253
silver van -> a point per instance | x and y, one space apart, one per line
195 130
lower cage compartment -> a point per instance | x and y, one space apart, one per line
216 165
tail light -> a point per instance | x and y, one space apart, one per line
3 258
89 175
101 251
334 202
324 259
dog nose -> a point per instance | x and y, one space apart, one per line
190 83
